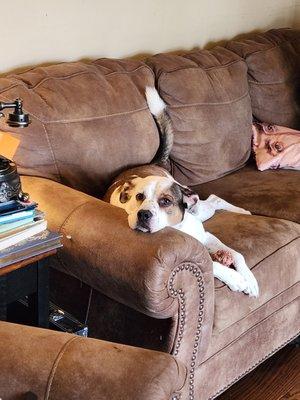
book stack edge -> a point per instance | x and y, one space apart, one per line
23 232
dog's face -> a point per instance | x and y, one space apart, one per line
154 202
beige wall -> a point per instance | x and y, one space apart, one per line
61 30
297 14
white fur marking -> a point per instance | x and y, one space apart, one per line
155 102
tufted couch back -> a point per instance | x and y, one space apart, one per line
90 120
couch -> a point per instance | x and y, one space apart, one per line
90 122
43 364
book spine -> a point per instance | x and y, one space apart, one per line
22 257
16 217
12 240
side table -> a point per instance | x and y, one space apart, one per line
30 278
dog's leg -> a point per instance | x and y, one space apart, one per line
205 209
213 244
202 210
230 277
219 204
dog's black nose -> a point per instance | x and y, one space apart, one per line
144 215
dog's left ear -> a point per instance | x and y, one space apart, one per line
124 189
189 198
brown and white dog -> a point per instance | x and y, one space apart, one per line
153 200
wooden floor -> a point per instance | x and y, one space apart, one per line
278 378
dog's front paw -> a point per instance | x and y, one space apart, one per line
236 281
252 288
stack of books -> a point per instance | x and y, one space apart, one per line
23 232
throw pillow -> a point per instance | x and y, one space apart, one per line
275 147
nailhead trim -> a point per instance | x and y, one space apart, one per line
182 319
174 293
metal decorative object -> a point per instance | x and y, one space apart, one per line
17 119
10 184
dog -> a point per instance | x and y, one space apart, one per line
153 200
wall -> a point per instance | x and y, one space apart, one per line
62 30
297 14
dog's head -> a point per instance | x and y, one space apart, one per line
154 202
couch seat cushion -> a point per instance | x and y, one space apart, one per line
271 248
273 193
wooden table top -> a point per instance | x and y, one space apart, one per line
24 263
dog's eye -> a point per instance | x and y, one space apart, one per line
164 202
140 197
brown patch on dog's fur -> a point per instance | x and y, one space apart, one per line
142 172
124 191
175 211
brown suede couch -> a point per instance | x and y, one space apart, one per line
42 364
90 121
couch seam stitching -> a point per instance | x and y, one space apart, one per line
261 306
263 259
52 152
277 45
55 365
48 141
199 67
248 330
62 226
31 87
266 83
72 212
275 251
178 371
254 366
210 104
83 119
67 121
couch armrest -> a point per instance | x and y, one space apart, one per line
58 365
165 274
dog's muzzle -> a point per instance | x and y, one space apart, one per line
144 217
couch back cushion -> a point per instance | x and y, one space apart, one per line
273 60
209 105
89 121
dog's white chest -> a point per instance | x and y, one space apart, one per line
192 226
